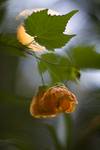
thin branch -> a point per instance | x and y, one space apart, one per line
33 54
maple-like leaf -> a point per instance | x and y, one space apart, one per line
48 30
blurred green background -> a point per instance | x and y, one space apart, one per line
19 80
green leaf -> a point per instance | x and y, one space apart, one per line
85 57
59 67
48 30
10 45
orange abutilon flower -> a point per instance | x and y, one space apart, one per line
27 40
23 37
52 101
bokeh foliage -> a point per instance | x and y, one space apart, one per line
18 130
